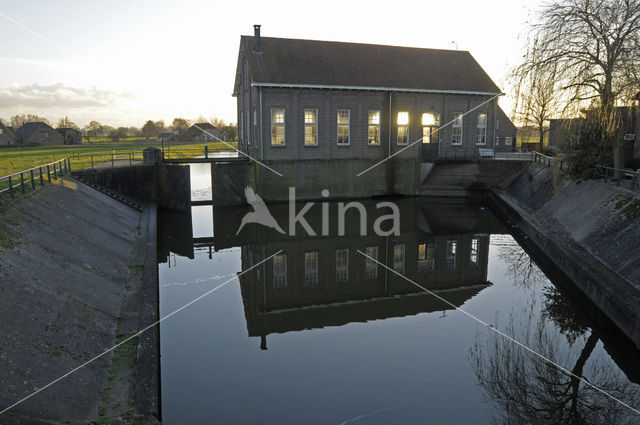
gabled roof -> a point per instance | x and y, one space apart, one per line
27 129
505 120
203 126
289 62
7 130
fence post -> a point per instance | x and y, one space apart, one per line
206 152
11 188
92 162
21 182
112 159
55 175
48 173
41 178
69 161
130 159
33 180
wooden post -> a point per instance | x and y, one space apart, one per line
11 188
55 176
206 152
22 182
92 162
41 178
130 159
48 173
33 181
112 159
69 163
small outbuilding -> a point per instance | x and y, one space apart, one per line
7 136
204 132
70 135
167 136
38 133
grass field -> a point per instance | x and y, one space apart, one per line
13 160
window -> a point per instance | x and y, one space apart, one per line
277 127
473 253
481 130
343 126
310 127
398 258
342 265
370 266
508 141
403 128
426 260
451 254
430 124
457 129
280 271
311 268
45 134
374 127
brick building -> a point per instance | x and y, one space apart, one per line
305 99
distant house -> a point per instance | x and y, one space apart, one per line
71 136
166 136
505 131
7 136
204 132
38 133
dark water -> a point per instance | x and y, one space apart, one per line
337 341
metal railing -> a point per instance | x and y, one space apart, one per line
514 156
435 151
617 175
548 161
17 182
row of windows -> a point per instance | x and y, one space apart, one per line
425 262
430 128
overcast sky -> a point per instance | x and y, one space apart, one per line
123 62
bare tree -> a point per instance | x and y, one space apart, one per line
67 123
594 46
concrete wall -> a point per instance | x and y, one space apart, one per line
472 175
590 231
167 185
310 177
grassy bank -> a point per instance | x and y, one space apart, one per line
13 160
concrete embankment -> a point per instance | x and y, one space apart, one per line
589 230
78 274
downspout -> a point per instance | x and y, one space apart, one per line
390 115
261 118
495 121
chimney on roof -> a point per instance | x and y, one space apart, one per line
257 41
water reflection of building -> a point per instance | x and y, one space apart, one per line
325 281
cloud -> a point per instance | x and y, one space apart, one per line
57 96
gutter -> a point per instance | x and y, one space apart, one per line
389 89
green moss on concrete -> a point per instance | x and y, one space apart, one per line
619 201
632 210
124 359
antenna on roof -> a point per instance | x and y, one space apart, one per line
455 44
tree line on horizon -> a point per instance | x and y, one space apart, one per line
95 130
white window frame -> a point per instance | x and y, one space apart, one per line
474 250
371 266
278 124
426 263
311 276
348 125
508 141
373 125
481 129
452 253
454 126
280 279
400 269
399 126
342 276
313 124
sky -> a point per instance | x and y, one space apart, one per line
124 62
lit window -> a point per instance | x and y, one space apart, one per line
311 268
403 128
481 130
451 254
280 271
430 123
374 127
370 265
342 265
508 141
398 258
277 127
310 127
473 254
457 129
426 261
343 126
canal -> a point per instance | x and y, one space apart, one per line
300 329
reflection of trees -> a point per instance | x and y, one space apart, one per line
529 389
519 265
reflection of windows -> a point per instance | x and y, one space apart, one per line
403 128
343 126
280 271
311 268
473 254
457 129
310 127
342 265
370 266
426 260
374 127
398 258
277 127
451 254
481 130
507 141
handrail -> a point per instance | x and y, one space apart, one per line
60 167
611 173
